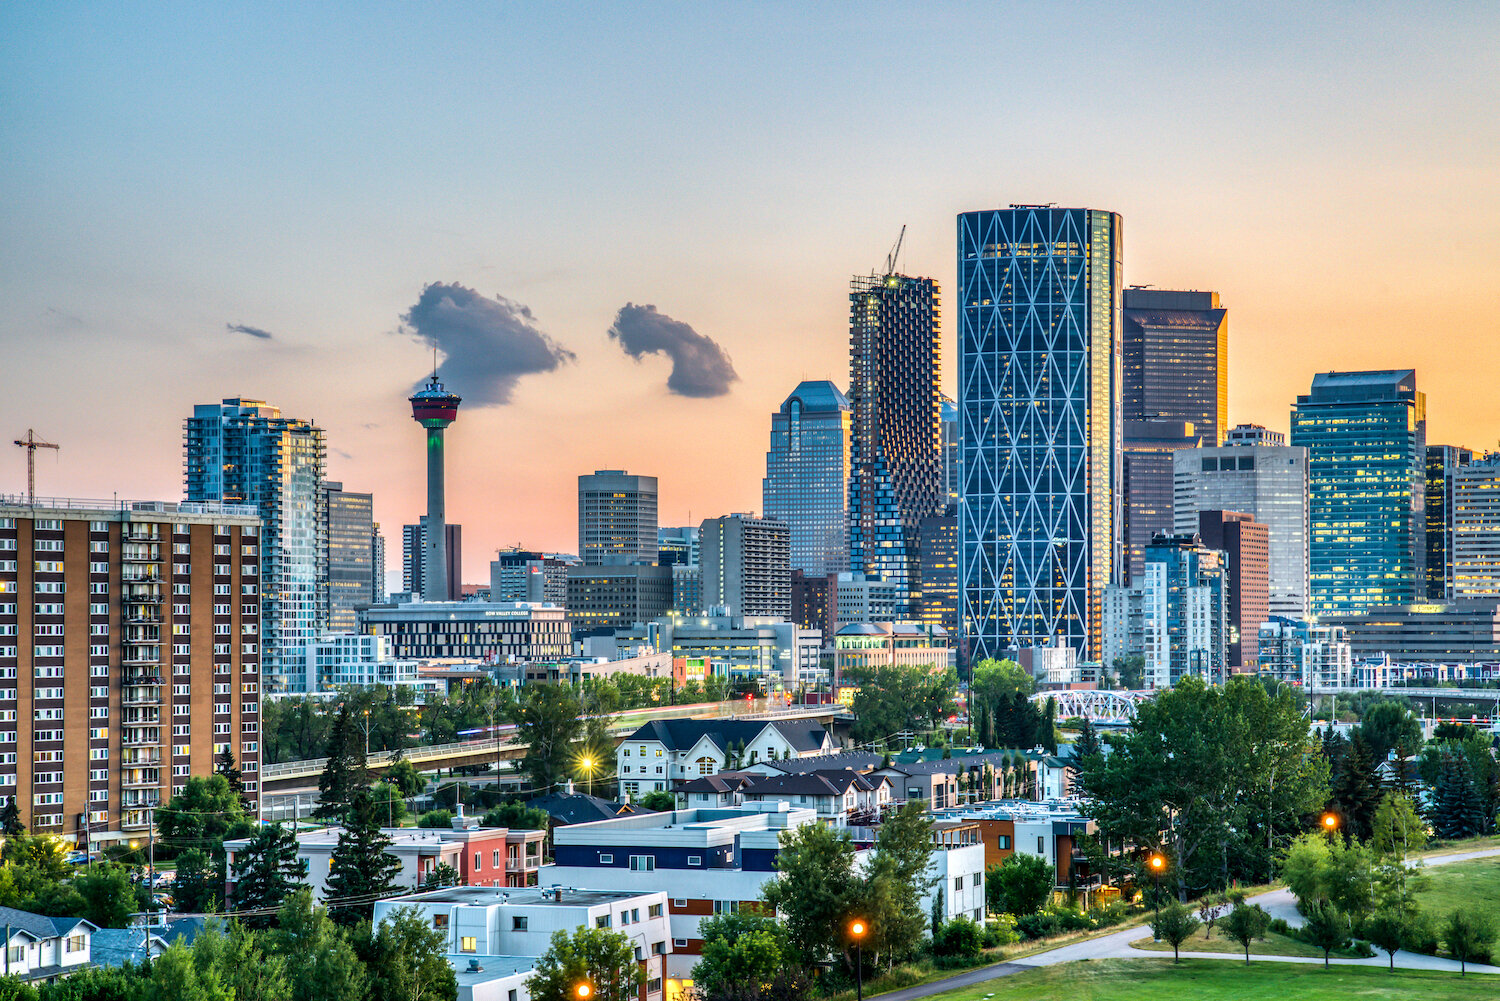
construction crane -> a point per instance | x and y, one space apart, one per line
890 259
31 444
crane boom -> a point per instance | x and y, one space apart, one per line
890 259
31 443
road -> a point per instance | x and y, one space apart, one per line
1116 945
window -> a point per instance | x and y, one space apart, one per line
695 860
1041 846
468 944
958 883
495 856
511 996
440 922
679 943
602 921
518 923
726 906
1002 842
606 858
479 860
653 986
643 863
679 902
654 911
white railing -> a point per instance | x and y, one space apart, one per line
116 504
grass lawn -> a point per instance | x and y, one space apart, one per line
1472 885
1273 945
1466 845
1217 980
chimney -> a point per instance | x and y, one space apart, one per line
568 787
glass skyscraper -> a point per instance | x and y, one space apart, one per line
1443 464
807 476
245 452
896 457
348 554
1366 440
1039 404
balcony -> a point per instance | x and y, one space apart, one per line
141 655
136 531
140 554
141 699
148 616
141 778
137 820
143 677
140 799
140 758
140 574
143 717
143 738
143 594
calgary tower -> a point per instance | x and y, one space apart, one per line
435 408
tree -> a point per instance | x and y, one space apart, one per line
1327 928
226 766
199 885
1387 725
97 983
517 816
108 895
1387 930
603 958
1356 790
346 768
441 875
1210 910
814 889
659 800
1397 828
175 977
960 938
547 722
360 870
16 989
1022 883
1245 924
321 965
1468 936
408 960
246 971
937 913
10 818
743 954
204 815
1130 670
1087 745
404 776
1306 869
390 804
1175 924
266 871
1457 808
896 697
992 680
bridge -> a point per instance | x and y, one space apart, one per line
501 744
1109 708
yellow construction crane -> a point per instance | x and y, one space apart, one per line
31 444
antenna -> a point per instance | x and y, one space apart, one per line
434 359
31 444
891 258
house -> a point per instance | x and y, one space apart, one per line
664 752
40 949
1048 830
118 946
482 856
494 935
840 796
723 789
964 778
569 807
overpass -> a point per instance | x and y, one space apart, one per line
502 746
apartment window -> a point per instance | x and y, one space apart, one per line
643 863
679 902
1002 842
958 883
606 858
495 859
478 860
440 922
695 860
602 921
1041 846
518 923
653 986
468 944
511 995
654 911
726 906
680 943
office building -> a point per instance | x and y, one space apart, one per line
245 452
130 635
1039 342
1245 544
1175 347
348 554
854 597
615 597
807 476
744 566
1453 632
1257 473
1146 478
677 546
1366 440
760 654
1476 530
895 452
377 564
616 518
1443 464
1303 653
1174 614
865 647
952 459
687 589
495 632
434 408
523 575
937 566
810 608
414 564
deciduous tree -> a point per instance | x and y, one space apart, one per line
1175 924
603 958
1245 924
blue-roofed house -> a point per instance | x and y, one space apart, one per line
664 752
40 949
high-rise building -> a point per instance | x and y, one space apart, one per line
1175 348
1366 440
745 566
129 635
938 566
807 476
677 546
952 460
895 452
1476 529
618 595
1039 402
1256 472
414 551
523 575
1174 614
1299 652
244 452
494 631
434 408
1146 480
348 554
1245 544
1443 463
377 564
616 518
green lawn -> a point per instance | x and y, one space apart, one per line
1472 885
1217 980
1272 945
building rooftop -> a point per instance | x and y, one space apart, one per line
519 896
682 734
817 395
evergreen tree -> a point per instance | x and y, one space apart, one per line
199 884
10 818
345 770
1457 810
225 765
265 872
360 869
987 734
1356 790
1048 727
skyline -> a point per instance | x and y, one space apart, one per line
184 184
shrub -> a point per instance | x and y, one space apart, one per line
959 939
1039 925
1363 949
1000 930
1279 926
436 818
1421 935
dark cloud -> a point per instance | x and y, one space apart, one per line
243 328
487 344
699 365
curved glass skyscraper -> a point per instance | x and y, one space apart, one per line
807 476
1039 399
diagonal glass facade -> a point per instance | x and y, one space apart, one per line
1039 406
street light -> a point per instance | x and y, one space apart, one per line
583 990
588 763
1158 864
1331 823
857 929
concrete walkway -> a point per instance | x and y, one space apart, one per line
1116 945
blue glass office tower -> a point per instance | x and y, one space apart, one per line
807 476
1366 440
896 456
1039 405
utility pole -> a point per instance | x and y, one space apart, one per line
31 444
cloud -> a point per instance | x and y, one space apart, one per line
487 344
242 328
699 365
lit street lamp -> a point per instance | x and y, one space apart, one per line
1158 864
1331 823
857 929
583 990
588 764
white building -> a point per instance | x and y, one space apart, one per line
839 796
340 660
494 935
40 949
665 751
757 649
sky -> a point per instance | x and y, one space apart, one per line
632 226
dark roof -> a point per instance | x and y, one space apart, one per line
117 946
823 782
722 782
817 395
957 763
578 808
38 925
681 734
860 761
